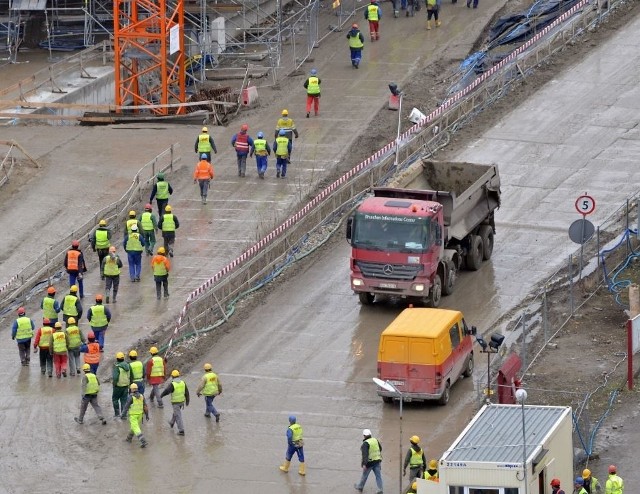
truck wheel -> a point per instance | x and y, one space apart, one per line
486 233
444 399
475 254
435 293
449 281
387 399
468 369
366 298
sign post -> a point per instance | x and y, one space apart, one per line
582 230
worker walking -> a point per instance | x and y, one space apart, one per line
121 378
156 373
134 245
149 224
42 344
137 370
161 191
288 125
371 451
22 332
312 85
179 392
295 444
110 269
168 224
555 487
75 339
262 151
614 484
71 305
90 387
101 240
135 406
204 144
578 486
160 266
60 344
50 306
91 351
591 484
414 459
99 318
431 473
132 221
282 148
75 266
203 174
356 44
373 13
242 143
210 386
433 10
413 489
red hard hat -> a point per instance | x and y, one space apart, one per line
555 483
148 206
244 127
91 335
46 321
21 311
612 469
75 243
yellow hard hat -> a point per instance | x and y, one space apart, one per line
414 439
586 473
285 112
161 250
132 213
86 367
414 486
207 367
133 353
103 223
153 350
175 373
133 387
71 320
73 289
167 208
120 355
58 325
433 464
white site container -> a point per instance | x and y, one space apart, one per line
487 457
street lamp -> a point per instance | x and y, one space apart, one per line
387 386
395 91
489 348
521 397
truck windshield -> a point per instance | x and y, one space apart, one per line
390 233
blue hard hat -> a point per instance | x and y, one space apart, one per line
282 132
203 156
292 419
579 481
260 135
313 72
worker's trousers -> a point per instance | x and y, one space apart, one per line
155 393
75 278
99 334
261 164
60 363
135 421
149 237
204 187
176 418
313 99
209 408
74 361
242 164
93 401
102 253
356 56
376 468
291 450
135 264
373 30
169 239
281 165
162 281
119 399
111 281
162 203
46 361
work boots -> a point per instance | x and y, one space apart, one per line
301 469
285 466
438 23
428 25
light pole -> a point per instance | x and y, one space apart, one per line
489 348
396 92
521 396
387 386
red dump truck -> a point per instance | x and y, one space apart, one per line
412 243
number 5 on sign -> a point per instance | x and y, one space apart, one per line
585 205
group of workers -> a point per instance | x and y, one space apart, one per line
588 484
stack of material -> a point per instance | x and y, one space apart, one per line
226 101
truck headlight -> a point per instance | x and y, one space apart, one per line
418 287
357 282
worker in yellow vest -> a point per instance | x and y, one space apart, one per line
131 220
89 392
42 344
262 150
133 246
295 444
371 452
156 375
101 240
110 269
60 345
414 459
137 370
75 339
282 148
135 406
205 144
431 473
591 483
312 85
121 379
160 266
210 386
99 318
22 332
179 392
168 224
71 305
161 191
356 44
50 306
373 13
615 484
149 224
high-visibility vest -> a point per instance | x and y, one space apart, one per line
432 4
25 330
45 337
242 142
137 369
260 145
59 342
593 483
98 316
313 86
111 267
416 458
211 384
137 405
93 386
285 124
73 332
432 477
374 449
102 239
158 266
73 260
145 220
296 429
69 305
282 146
178 391
372 11
204 146
162 190
614 485
130 223
93 353
168 223
582 491
133 243
123 377
354 41
157 368
47 308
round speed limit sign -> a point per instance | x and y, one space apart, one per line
585 205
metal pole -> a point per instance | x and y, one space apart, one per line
488 377
638 225
524 343
395 165
400 448
545 315
524 453
570 287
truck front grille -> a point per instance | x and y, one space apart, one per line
388 271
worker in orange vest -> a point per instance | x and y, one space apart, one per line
42 344
75 266
161 266
242 143
203 174
92 351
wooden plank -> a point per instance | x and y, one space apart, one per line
79 106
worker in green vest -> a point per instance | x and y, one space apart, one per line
90 389
50 306
371 451
22 332
161 191
60 345
262 150
133 246
149 224
591 484
210 386
75 339
42 344
205 144
137 370
373 13
71 305
168 224
579 486
101 240
295 445
121 379
356 44
282 148
110 269
312 85
135 406
179 392
99 318
615 484
414 459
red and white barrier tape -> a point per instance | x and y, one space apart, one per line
8 283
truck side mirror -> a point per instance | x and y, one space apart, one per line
349 228
474 330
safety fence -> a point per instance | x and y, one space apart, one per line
48 265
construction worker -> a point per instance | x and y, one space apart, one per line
579 486
371 450
433 10
431 473
50 306
161 191
22 332
131 220
413 489
121 378
356 44
110 269
591 484
242 143
210 386
42 344
71 305
149 224
614 484
282 148
414 459
168 224
137 370
156 373
373 13
99 318
262 151
203 174
75 266
160 266
91 351
90 388
312 85
287 124
101 240
134 245
75 339
555 487
295 444
204 144
179 392
136 407
60 344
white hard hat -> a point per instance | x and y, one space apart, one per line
366 432
134 228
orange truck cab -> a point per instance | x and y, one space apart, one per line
423 352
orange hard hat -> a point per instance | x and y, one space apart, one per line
355 26
555 482
51 290
46 321
98 297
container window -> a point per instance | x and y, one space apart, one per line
454 332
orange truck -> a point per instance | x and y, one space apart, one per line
423 352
